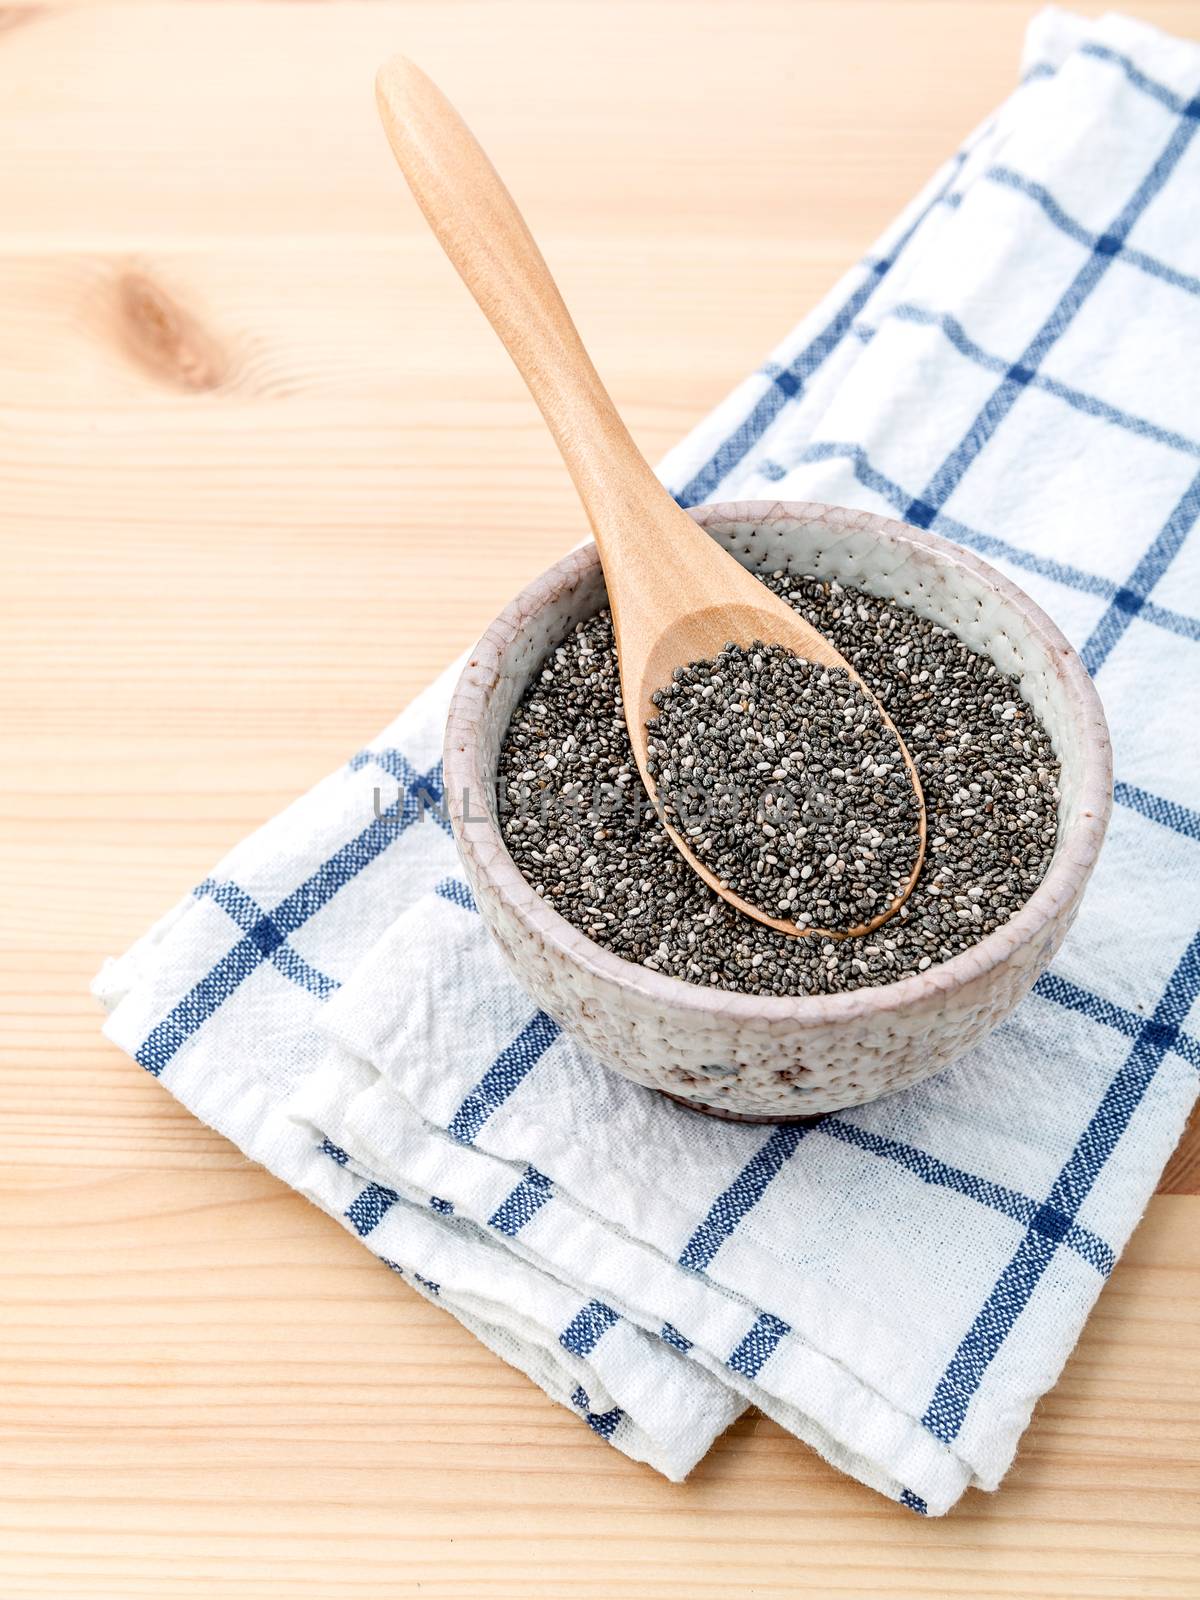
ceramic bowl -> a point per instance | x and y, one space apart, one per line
773 1059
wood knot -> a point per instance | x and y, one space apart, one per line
18 16
166 338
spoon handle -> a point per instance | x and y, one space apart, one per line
479 227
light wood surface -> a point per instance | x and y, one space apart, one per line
259 470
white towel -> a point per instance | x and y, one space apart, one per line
1014 366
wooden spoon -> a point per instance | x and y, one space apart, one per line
676 596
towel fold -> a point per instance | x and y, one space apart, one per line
1013 366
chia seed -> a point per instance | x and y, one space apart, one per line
579 825
786 784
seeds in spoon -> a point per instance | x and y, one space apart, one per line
787 784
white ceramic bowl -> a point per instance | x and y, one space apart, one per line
769 1058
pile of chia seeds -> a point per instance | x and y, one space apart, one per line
578 823
787 785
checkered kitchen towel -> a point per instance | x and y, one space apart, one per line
1015 366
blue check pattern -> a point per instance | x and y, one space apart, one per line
1047 1224
772 433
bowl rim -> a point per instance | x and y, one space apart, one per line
486 857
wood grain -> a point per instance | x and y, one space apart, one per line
258 461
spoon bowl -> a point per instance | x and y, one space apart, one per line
671 619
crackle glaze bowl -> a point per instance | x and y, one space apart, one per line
766 1058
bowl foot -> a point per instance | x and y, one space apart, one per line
742 1116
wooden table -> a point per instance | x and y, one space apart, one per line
258 455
